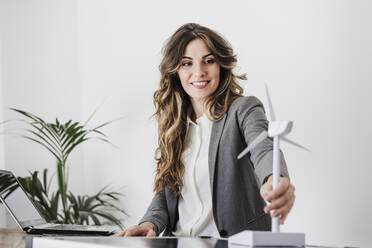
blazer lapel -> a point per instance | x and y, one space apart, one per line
214 142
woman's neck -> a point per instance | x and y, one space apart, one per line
198 107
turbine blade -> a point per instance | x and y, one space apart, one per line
255 142
294 143
271 109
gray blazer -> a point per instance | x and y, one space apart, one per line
236 200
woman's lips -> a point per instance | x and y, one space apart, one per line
200 84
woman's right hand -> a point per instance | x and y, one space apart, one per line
144 229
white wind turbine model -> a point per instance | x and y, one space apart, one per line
277 130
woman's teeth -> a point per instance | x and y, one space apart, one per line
199 83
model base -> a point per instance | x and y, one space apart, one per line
266 238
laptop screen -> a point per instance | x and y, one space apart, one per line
17 201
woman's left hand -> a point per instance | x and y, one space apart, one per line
281 199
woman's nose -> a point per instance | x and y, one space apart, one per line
199 71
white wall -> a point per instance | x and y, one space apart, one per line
2 165
315 56
113 46
40 74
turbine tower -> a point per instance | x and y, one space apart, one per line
277 130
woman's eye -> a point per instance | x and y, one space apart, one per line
209 61
186 63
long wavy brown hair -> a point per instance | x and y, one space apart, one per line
172 102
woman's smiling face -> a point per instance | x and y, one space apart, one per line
199 72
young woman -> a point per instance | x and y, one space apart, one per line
201 188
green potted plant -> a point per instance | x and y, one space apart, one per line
62 206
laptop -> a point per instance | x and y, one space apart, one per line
27 216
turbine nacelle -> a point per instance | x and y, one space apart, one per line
279 128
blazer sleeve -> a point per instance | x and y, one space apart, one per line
253 121
157 213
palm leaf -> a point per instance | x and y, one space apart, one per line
52 142
37 120
70 133
94 112
107 123
42 144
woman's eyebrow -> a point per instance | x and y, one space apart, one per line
207 55
185 57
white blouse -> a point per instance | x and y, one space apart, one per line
195 201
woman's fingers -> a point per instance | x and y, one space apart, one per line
119 234
282 218
281 199
283 208
283 186
287 198
283 211
134 231
145 229
151 233
265 189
